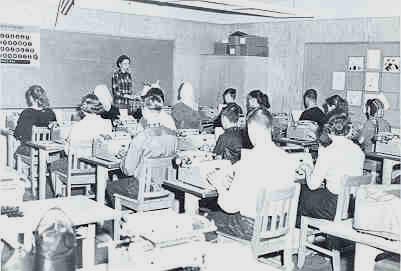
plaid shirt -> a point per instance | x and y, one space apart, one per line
121 84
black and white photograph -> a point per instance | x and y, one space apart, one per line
200 135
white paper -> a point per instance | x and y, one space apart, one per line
391 64
356 63
372 81
379 96
354 98
338 81
374 57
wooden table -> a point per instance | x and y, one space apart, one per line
44 149
306 144
192 194
79 209
9 134
102 169
389 160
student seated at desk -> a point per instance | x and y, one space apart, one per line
374 111
185 113
110 111
229 144
153 142
255 99
166 120
335 105
265 166
338 157
312 111
84 131
38 113
229 96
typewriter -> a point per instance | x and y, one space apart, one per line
126 124
388 143
194 166
59 131
191 139
161 240
280 125
107 147
303 130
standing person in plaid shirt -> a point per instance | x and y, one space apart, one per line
122 83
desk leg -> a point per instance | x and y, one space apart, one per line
101 181
387 169
9 151
88 248
191 204
365 257
43 155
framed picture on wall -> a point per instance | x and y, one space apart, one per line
372 81
356 63
354 98
391 64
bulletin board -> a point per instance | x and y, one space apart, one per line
329 69
72 64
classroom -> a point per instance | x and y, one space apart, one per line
195 135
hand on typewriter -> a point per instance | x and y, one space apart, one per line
121 154
221 179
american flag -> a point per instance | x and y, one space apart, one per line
65 6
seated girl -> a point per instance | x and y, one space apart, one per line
38 113
374 110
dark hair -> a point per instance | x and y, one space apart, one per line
311 94
156 92
153 102
231 112
340 104
230 91
262 116
90 104
261 98
121 58
372 107
38 94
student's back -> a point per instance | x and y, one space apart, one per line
32 117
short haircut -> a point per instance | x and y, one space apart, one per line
340 104
230 91
261 116
121 58
261 98
90 104
153 103
310 94
372 107
154 91
232 112
38 94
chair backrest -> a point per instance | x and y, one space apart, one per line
156 172
275 212
349 185
40 134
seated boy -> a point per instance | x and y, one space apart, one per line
266 166
229 144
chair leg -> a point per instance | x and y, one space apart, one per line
336 260
288 263
302 242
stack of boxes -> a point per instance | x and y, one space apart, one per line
242 44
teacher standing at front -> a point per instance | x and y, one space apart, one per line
122 84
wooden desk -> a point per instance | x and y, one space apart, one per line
79 209
192 194
44 149
306 144
389 160
9 134
102 169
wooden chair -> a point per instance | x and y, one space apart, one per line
349 186
274 223
77 175
151 194
27 166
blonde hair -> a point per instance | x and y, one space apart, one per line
38 94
